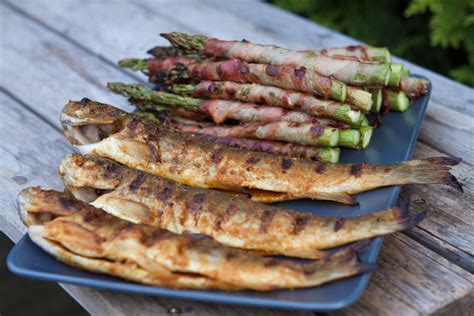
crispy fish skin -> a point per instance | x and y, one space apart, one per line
175 155
142 198
88 236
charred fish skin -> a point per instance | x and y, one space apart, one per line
231 220
178 156
87 234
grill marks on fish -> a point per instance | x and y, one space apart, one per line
224 217
133 124
321 168
135 185
266 218
339 224
165 194
286 164
299 223
195 205
216 157
356 169
252 160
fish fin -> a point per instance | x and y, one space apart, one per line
348 250
263 196
125 209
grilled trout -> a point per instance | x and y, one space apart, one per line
149 146
142 198
88 238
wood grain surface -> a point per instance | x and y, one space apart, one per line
69 49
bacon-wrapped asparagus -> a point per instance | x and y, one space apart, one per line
358 139
272 96
358 52
291 132
413 87
238 71
219 110
324 154
348 71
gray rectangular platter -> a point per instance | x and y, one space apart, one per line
391 143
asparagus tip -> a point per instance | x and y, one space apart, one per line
134 63
185 42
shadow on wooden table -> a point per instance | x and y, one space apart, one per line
20 296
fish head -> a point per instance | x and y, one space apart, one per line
101 129
86 122
87 176
37 206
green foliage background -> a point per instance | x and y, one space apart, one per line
436 34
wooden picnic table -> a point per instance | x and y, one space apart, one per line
57 50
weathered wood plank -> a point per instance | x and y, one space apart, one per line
449 131
450 222
277 22
29 164
406 282
46 71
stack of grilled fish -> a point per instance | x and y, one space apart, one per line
159 206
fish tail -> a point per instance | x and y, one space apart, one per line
349 250
345 262
429 171
395 219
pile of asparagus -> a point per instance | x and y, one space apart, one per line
303 104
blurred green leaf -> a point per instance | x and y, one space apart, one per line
436 34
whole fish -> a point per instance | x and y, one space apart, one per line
149 146
142 198
88 238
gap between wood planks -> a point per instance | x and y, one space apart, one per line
80 46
